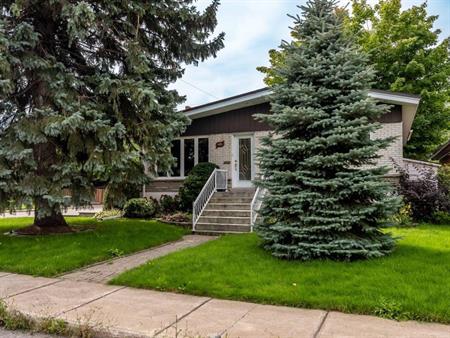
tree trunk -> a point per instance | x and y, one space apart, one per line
47 219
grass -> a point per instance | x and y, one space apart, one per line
412 283
55 254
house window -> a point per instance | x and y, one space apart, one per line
176 167
203 150
187 153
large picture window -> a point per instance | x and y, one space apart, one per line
187 153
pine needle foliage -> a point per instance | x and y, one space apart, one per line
325 198
84 97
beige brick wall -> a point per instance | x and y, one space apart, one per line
395 150
221 156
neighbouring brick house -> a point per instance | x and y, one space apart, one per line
442 154
226 133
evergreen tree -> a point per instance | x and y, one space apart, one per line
84 96
325 198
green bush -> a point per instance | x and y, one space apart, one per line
442 217
140 208
403 217
444 176
194 183
169 204
116 196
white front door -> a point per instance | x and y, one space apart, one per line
243 161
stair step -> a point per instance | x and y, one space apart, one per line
227 206
231 199
234 194
207 227
225 213
224 220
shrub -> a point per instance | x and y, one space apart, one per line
139 208
403 217
444 177
425 194
179 217
115 197
156 204
194 183
169 204
108 213
442 217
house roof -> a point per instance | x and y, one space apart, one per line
442 152
409 103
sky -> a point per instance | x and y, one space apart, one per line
252 28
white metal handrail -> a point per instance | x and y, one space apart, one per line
256 205
217 181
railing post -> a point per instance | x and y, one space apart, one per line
193 216
215 180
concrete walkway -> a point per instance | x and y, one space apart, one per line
129 312
105 271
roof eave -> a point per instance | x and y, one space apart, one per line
262 96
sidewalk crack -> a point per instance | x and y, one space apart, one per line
182 317
33 289
237 321
89 302
319 328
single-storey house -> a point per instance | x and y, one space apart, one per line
226 133
442 154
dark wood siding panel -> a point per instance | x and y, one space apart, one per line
234 121
395 115
242 120
163 186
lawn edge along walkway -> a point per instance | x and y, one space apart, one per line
102 272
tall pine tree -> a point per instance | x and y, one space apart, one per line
84 96
325 198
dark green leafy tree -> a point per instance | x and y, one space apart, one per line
325 199
408 57
84 96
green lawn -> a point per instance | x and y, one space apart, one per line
412 283
52 255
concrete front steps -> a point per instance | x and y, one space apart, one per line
227 212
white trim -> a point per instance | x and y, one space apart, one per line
235 182
232 103
422 162
262 96
394 98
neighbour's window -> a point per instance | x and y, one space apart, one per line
176 153
189 155
203 150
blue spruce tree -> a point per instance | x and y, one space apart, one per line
325 199
85 97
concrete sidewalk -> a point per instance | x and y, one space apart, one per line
125 312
